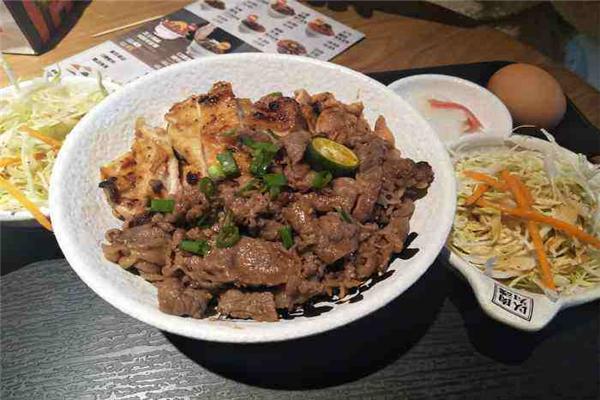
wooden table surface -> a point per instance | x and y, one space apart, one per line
392 41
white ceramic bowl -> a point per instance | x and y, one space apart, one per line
491 112
81 215
533 311
23 218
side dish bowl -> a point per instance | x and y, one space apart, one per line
23 218
518 308
81 215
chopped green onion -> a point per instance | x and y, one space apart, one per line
274 183
263 154
206 221
252 184
321 179
200 247
162 205
215 171
229 133
228 164
207 186
344 215
228 236
287 239
256 145
275 180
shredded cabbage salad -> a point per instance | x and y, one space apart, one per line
562 186
50 107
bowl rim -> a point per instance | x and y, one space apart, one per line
205 329
24 215
476 277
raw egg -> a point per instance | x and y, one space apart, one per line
531 94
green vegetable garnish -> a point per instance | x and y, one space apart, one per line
263 154
274 183
200 247
207 186
344 215
162 205
215 171
252 184
278 94
206 221
229 133
228 164
228 236
325 154
321 179
287 239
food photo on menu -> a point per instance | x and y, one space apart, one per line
221 199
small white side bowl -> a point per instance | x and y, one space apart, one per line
491 112
514 307
23 218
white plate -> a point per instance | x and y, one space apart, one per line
23 218
491 112
81 215
536 310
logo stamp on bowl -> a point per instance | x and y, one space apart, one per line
513 302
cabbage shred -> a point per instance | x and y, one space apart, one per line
562 187
49 106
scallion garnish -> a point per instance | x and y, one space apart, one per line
207 186
228 164
287 239
344 215
200 247
321 179
162 205
215 171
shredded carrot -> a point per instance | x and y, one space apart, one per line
5 162
532 215
32 208
40 136
477 193
39 155
487 179
522 197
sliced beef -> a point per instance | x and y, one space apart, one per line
297 291
299 176
342 195
175 299
247 210
140 243
258 306
336 238
270 229
371 153
251 262
295 145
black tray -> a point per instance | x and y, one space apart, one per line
21 246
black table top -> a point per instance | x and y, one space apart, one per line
61 341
